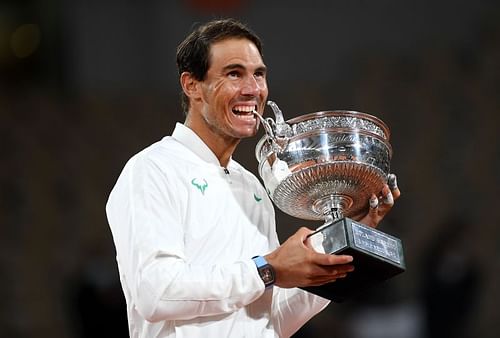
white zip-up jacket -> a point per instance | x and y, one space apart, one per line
185 231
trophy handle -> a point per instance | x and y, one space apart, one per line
268 124
279 132
283 130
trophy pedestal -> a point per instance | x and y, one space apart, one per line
377 257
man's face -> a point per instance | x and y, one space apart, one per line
235 85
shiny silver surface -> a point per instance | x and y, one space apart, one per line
328 161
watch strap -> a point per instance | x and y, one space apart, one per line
259 261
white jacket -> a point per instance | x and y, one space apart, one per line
185 231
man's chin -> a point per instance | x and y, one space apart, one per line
246 132
247 135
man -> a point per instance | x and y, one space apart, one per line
194 231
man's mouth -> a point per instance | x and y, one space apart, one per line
244 111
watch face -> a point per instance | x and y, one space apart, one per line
267 275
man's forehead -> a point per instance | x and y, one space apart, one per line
234 48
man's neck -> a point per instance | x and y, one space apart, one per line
222 147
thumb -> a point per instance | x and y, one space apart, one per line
303 232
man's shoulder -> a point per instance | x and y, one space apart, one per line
167 148
166 154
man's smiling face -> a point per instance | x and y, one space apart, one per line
234 86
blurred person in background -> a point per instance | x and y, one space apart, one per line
194 231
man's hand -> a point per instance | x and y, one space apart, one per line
381 205
298 265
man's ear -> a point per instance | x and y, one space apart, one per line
190 86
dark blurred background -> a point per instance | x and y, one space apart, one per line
86 84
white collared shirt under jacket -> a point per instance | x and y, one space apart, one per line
185 231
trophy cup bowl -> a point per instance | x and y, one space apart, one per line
325 166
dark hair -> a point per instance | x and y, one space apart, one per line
193 54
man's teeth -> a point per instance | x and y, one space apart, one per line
243 109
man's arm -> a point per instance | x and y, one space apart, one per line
294 307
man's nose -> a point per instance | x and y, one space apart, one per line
250 86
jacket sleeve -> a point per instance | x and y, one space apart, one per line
292 308
144 214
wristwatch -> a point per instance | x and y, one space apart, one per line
266 271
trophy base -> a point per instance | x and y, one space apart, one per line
377 257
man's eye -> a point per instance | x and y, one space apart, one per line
259 74
233 74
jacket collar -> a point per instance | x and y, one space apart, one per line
191 140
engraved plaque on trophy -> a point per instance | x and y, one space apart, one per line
325 166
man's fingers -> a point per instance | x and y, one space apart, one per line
387 197
327 259
392 182
329 274
374 202
343 269
337 269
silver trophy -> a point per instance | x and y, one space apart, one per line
325 166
